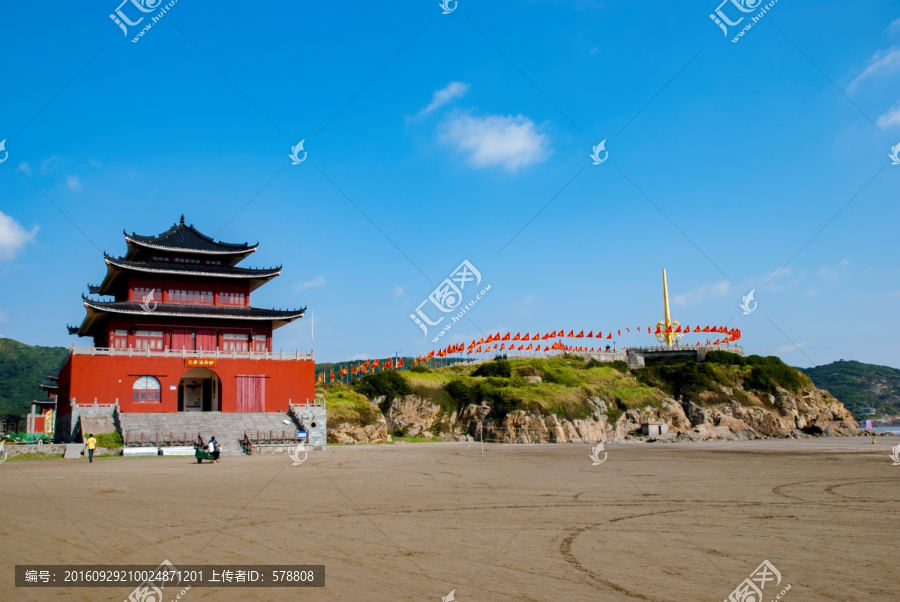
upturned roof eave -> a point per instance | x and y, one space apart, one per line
131 239
115 266
116 307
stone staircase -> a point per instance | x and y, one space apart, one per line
228 428
97 424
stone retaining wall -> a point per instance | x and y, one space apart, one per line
53 449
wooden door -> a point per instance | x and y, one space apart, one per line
251 393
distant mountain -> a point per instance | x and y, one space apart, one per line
859 386
22 370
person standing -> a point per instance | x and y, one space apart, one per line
91 446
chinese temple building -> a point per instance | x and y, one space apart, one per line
41 418
177 333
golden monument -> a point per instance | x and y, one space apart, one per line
667 328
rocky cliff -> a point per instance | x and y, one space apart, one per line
728 406
809 414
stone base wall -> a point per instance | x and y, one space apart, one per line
53 449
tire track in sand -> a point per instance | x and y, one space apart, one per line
565 548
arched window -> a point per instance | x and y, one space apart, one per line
146 389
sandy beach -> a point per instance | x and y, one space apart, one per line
686 521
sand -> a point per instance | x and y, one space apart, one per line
686 521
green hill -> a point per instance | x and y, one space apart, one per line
860 385
22 369
564 385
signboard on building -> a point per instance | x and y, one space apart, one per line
199 362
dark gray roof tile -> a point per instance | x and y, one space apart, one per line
181 237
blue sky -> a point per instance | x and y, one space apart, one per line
434 139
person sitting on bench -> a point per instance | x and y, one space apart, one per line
213 449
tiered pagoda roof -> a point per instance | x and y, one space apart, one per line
180 239
98 310
117 269
179 252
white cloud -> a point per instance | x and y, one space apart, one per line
73 182
360 357
697 295
2 319
398 290
890 118
882 63
25 168
895 26
48 165
445 95
833 271
314 283
812 292
504 140
780 279
13 237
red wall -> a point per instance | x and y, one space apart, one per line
107 378
168 325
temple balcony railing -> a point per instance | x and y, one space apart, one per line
197 353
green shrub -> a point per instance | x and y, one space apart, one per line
490 390
687 378
499 368
389 384
438 396
617 365
768 360
460 393
561 374
523 371
419 369
726 357
767 377
346 405
108 440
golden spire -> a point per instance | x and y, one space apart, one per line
666 328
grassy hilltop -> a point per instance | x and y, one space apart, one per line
563 385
